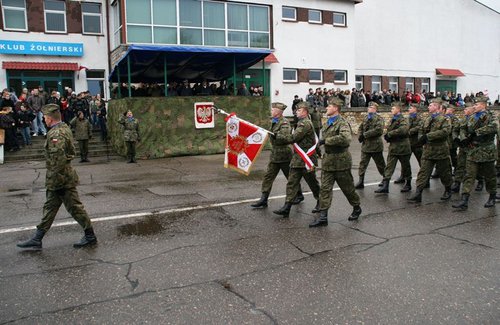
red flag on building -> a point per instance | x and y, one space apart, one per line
244 141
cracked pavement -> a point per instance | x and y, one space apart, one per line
400 263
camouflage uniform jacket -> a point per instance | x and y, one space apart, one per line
399 139
130 129
437 130
414 125
482 148
372 130
305 138
337 140
462 131
59 151
281 150
83 129
455 130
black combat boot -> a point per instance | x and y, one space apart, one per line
356 212
316 208
321 221
416 197
381 183
400 180
435 174
88 239
447 194
299 198
464 204
384 188
491 200
427 185
455 187
285 210
407 187
479 186
262 203
361 182
35 242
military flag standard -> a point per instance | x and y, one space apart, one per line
244 142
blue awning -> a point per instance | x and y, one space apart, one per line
194 63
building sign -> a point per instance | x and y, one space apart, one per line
204 115
41 48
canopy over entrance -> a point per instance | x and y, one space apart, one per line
147 63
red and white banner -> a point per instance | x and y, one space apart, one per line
204 117
305 155
244 141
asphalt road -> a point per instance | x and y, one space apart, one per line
179 244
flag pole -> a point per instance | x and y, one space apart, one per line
221 111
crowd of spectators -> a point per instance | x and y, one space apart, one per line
22 114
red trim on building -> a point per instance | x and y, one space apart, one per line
271 59
40 66
449 72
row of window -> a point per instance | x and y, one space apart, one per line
376 84
314 16
15 16
314 76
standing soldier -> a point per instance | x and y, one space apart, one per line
399 149
481 155
462 150
303 161
370 136
83 132
130 134
281 154
61 180
434 138
337 163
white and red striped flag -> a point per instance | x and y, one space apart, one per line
244 141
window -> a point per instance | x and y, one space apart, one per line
315 16
91 18
426 85
393 84
315 75
339 19
116 23
409 84
14 14
288 13
290 75
376 83
359 82
340 76
55 16
95 82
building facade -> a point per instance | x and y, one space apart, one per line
55 44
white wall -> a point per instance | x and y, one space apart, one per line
412 38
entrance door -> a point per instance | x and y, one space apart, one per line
443 86
32 84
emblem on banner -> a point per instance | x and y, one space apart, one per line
204 115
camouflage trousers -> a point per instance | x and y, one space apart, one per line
293 184
273 170
84 148
378 157
417 151
443 167
346 184
454 157
486 169
69 197
392 160
130 149
460 168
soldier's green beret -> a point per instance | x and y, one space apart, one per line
469 104
481 99
303 105
335 101
280 106
397 104
437 100
373 104
50 108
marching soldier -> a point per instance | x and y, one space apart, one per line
370 136
434 138
61 180
481 156
458 136
414 126
281 154
337 163
399 149
455 125
303 161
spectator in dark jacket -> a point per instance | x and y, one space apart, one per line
24 118
8 123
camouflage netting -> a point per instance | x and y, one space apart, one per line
166 124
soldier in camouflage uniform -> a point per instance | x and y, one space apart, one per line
399 149
479 136
434 138
414 126
305 138
281 154
458 136
61 181
83 132
336 164
370 136
130 134
455 125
